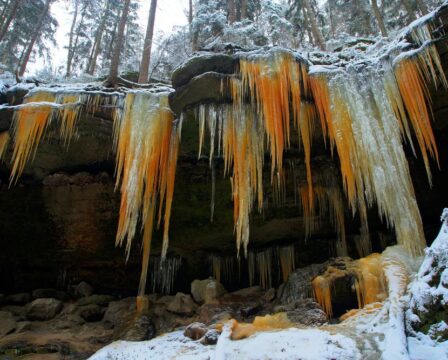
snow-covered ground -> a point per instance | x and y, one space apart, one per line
375 332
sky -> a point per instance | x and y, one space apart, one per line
169 13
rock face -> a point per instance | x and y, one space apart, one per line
207 291
182 304
298 285
7 323
43 309
428 311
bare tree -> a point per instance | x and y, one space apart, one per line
26 55
378 17
112 79
146 56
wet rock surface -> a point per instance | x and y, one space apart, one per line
43 309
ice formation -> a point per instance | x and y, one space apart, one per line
147 143
369 282
4 141
366 110
266 267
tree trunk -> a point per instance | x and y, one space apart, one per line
365 18
331 16
115 62
146 56
314 27
307 27
411 13
422 7
70 40
97 43
112 41
3 13
231 10
40 23
243 9
379 18
190 11
9 18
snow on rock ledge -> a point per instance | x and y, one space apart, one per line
428 311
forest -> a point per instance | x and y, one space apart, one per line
105 36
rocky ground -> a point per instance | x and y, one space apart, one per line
54 324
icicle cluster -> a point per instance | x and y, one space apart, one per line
147 144
164 274
326 202
261 266
40 108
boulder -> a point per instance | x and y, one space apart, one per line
182 304
306 312
195 331
83 289
43 309
222 317
7 323
18 299
118 311
101 300
92 312
141 329
205 62
269 295
211 337
50 293
207 291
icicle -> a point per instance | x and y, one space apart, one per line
216 267
367 135
212 197
147 146
164 274
4 141
286 256
363 242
